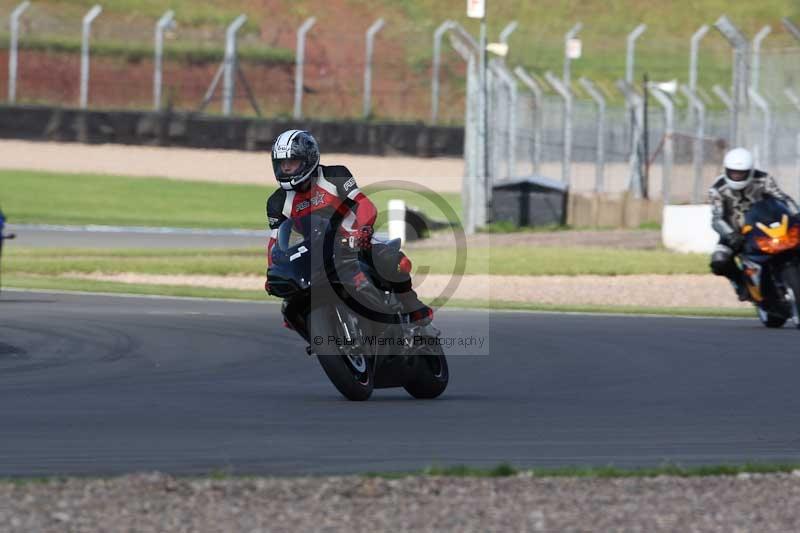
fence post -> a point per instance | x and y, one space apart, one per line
298 70
600 101
635 102
724 97
698 159
481 183
791 27
631 51
630 57
739 44
764 153
166 22
566 95
511 85
13 49
472 198
507 31
694 52
669 152
87 27
538 98
229 72
567 77
797 168
755 65
437 59
370 41
795 100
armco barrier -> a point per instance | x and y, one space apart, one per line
687 228
192 130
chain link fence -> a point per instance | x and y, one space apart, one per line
608 150
683 158
122 64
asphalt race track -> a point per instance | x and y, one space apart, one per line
106 385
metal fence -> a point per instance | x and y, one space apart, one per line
238 66
671 151
597 139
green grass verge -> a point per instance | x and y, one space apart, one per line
55 198
549 261
110 287
132 52
516 260
500 305
73 285
188 13
49 262
59 198
439 206
509 227
506 470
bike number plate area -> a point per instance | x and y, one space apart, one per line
300 252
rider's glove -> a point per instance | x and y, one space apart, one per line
736 241
361 239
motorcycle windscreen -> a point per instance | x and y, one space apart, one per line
295 231
766 211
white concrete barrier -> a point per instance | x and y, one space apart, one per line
687 228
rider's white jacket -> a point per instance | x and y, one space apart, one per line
729 206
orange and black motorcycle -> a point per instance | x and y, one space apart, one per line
770 262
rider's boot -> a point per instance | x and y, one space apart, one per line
741 290
736 277
722 264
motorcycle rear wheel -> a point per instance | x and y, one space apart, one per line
351 373
431 375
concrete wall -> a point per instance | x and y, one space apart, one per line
191 130
607 211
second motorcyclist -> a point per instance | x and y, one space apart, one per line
731 196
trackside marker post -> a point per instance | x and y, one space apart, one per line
397 220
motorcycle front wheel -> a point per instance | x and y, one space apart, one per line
768 318
791 280
350 370
431 374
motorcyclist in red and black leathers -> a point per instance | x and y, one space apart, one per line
331 191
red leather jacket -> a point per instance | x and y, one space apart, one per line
334 190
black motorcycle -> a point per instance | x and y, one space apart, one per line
360 345
770 262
